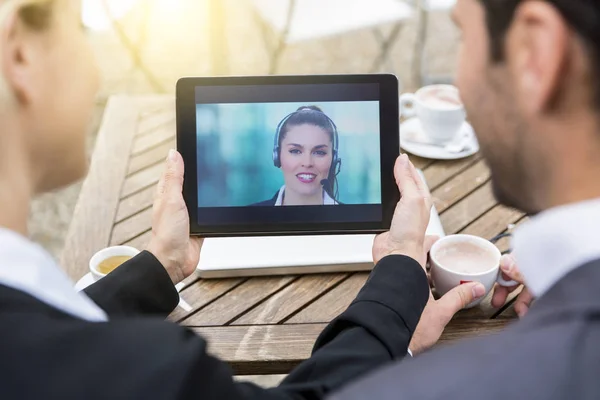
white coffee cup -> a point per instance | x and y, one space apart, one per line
107 253
439 108
445 278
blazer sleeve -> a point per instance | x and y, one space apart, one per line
169 361
140 286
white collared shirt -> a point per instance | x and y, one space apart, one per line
327 200
27 267
556 242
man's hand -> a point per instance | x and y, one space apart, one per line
510 271
438 313
407 237
411 217
171 243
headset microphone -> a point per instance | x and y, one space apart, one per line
324 182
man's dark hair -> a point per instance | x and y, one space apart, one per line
583 16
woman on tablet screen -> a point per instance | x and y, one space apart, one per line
306 151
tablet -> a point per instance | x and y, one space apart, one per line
289 155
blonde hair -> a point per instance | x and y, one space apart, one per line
34 13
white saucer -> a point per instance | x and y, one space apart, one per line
84 282
412 128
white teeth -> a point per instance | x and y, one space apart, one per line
306 177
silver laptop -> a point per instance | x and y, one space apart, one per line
283 255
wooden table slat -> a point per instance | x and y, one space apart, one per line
149 158
135 203
468 209
459 186
289 300
439 173
275 349
131 228
142 180
158 136
493 223
155 121
238 301
202 293
332 303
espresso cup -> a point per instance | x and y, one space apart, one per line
107 253
459 259
440 110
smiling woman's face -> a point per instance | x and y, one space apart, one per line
306 156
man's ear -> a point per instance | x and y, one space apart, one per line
537 50
17 54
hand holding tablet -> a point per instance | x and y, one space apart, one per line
289 155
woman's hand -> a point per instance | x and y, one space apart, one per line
171 243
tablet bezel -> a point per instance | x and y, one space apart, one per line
389 151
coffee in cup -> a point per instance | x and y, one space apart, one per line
107 260
458 259
439 109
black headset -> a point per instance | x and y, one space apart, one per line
336 161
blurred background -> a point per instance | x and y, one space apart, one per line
235 151
144 46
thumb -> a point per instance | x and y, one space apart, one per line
172 178
459 297
404 178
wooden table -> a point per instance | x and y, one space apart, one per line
263 325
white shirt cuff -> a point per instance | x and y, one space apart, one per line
409 352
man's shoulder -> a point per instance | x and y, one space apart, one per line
495 367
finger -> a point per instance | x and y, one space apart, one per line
509 268
421 186
458 298
523 302
404 179
429 242
500 296
171 180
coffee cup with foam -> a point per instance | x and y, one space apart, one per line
459 259
440 110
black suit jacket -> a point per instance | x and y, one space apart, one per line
48 354
553 353
271 202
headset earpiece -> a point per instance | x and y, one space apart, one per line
276 160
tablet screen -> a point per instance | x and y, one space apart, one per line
288 146
304 156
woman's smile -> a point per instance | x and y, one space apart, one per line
306 177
